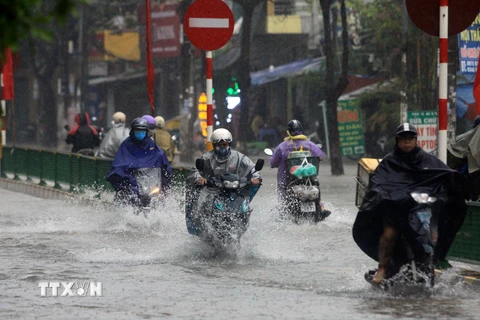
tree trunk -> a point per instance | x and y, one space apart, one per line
48 114
331 94
244 81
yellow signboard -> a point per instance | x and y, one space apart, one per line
123 45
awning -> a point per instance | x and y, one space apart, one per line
286 71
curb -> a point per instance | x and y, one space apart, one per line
469 277
36 190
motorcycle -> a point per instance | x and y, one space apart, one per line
148 195
303 197
220 214
406 265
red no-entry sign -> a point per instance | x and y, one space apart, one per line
426 15
209 24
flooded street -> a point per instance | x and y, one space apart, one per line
151 268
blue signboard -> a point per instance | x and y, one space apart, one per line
469 47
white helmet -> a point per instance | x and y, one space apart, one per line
119 117
160 122
221 135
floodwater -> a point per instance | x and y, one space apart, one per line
150 268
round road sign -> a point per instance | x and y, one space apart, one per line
208 24
426 15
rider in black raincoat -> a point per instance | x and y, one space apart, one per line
388 202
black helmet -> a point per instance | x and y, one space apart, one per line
294 127
406 129
139 124
476 122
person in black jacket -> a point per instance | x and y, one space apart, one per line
388 209
83 135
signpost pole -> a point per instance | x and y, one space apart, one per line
209 26
209 72
443 82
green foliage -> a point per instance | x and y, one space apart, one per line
381 114
22 18
382 41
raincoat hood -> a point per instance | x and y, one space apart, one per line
82 118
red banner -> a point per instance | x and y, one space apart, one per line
7 72
150 70
166 31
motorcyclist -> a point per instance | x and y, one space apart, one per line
389 210
151 125
114 137
136 152
463 155
83 135
221 160
294 142
164 139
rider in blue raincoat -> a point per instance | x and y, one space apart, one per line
136 152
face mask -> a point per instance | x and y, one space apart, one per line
140 135
222 151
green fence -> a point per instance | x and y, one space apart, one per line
467 242
75 172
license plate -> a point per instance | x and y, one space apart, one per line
307 206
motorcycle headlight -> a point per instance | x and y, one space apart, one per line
423 197
231 184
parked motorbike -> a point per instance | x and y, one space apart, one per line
220 214
148 195
406 265
303 187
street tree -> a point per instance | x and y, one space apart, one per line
334 91
243 67
20 19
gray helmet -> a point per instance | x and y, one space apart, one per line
406 129
139 124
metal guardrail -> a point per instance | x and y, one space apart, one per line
75 170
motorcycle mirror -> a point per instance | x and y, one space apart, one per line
268 151
200 164
259 164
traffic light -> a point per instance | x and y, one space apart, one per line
233 90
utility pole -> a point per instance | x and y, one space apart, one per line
403 92
83 49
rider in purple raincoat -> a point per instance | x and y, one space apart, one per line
293 142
